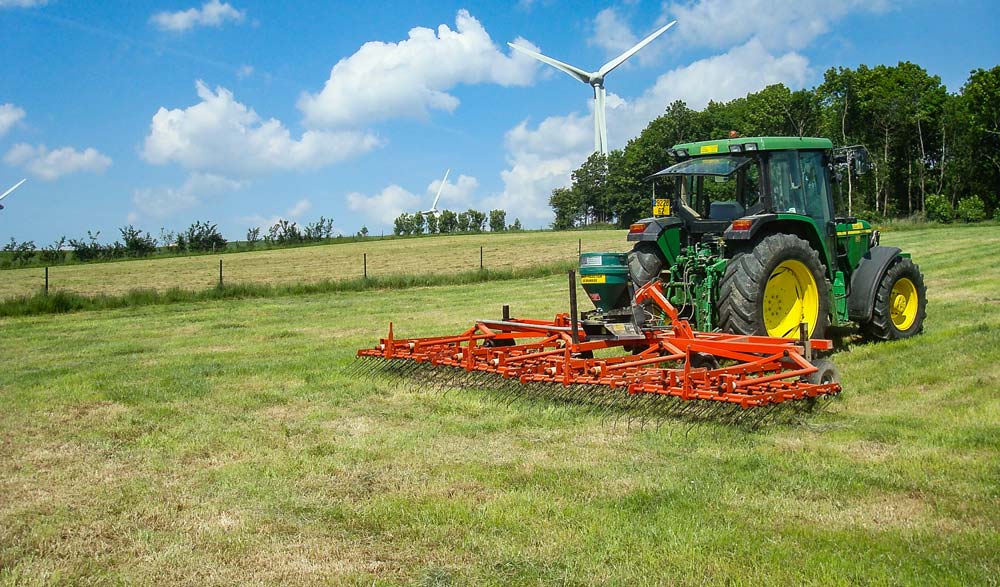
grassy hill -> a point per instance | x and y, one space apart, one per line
221 443
429 255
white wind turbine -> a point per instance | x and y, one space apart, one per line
8 192
434 206
596 79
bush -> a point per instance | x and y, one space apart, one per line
938 209
137 244
972 209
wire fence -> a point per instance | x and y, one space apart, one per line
271 267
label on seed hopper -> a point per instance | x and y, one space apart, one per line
588 279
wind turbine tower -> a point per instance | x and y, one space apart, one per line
596 79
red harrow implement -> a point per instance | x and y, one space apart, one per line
722 376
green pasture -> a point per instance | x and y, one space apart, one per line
221 443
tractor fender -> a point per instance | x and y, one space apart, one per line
655 228
865 281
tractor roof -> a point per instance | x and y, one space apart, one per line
762 144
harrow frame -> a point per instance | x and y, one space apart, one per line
669 360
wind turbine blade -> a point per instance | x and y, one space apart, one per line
16 185
434 206
607 67
574 72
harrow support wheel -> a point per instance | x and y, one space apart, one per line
900 303
769 290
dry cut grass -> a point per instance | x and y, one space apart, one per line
432 255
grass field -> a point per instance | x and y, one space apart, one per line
437 255
219 443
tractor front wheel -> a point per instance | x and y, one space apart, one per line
900 303
771 289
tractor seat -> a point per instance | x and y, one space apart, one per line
728 210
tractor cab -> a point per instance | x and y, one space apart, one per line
716 182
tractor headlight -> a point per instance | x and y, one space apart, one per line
735 148
681 153
749 146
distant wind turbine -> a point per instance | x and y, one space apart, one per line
434 206
596 79
8 192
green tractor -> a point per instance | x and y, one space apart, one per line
744 239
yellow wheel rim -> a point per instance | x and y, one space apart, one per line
903 303
790 297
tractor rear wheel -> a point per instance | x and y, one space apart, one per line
900 303
645 263
770 289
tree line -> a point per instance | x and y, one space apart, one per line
448 222
936 154
199 237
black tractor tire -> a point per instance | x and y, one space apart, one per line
741 291
826 372
645 263
886 324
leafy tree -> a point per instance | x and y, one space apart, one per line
448 222
464 222
201 236
87 250
54 253
477 220
568 207
498 220
21 253
363 233
517 225
417 223
938 209
253 235
137 244
319 230
285 232
972 209
432 223
401 225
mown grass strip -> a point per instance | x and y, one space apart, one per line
61 302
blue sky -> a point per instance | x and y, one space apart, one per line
241 112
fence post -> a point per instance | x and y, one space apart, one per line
46 281
579 246
365 257
480 257
220 272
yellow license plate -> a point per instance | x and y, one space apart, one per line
661 207
587 279
709 149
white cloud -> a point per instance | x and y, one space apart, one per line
244 71
386 205
777 24
300 208
542 158
412 77
220 135
611 33
22 3
9 116
212 13
51 165
164 201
